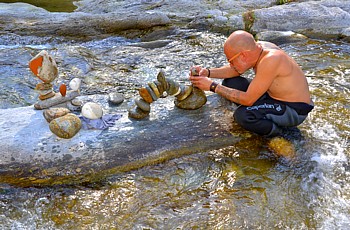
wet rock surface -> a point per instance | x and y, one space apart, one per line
82 47
65 126
129 144
322 19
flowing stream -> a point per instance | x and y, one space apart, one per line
239 187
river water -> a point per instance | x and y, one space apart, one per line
239 187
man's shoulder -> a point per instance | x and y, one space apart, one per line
268 45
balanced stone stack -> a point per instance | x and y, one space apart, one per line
45 68
57 106
187 96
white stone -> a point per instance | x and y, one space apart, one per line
92 110
75 84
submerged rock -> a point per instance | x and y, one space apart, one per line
282 147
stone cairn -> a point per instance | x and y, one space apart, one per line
45 68
186 96
57 106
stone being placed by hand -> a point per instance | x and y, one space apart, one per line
92 111
194 71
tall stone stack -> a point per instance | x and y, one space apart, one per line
57 106
44 67
187 96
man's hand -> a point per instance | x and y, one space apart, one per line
201 82
199 71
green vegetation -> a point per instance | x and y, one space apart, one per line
50 5
281 2
248 19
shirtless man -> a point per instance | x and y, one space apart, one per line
277 97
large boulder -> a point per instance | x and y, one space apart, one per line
78 24
319 19
32 155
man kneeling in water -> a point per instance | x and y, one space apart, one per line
278 96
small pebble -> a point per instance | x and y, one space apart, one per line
116 98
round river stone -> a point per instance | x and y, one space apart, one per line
196 100
66 126
92 110
116 98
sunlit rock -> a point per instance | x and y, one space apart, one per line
44 67
56 100
145 94
53 113
92 110
63 90
142 104
66 126
196 100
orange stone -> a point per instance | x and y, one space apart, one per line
63 90
145 95
35 64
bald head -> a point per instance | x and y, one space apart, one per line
239 41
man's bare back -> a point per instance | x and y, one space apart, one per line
277 97
288 74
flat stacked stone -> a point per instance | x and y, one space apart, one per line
53 113
44 67
196 97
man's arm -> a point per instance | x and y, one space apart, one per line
267 72
222 72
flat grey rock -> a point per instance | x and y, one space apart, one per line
33 155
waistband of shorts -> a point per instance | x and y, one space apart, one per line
301 108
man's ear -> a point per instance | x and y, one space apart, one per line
245 55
